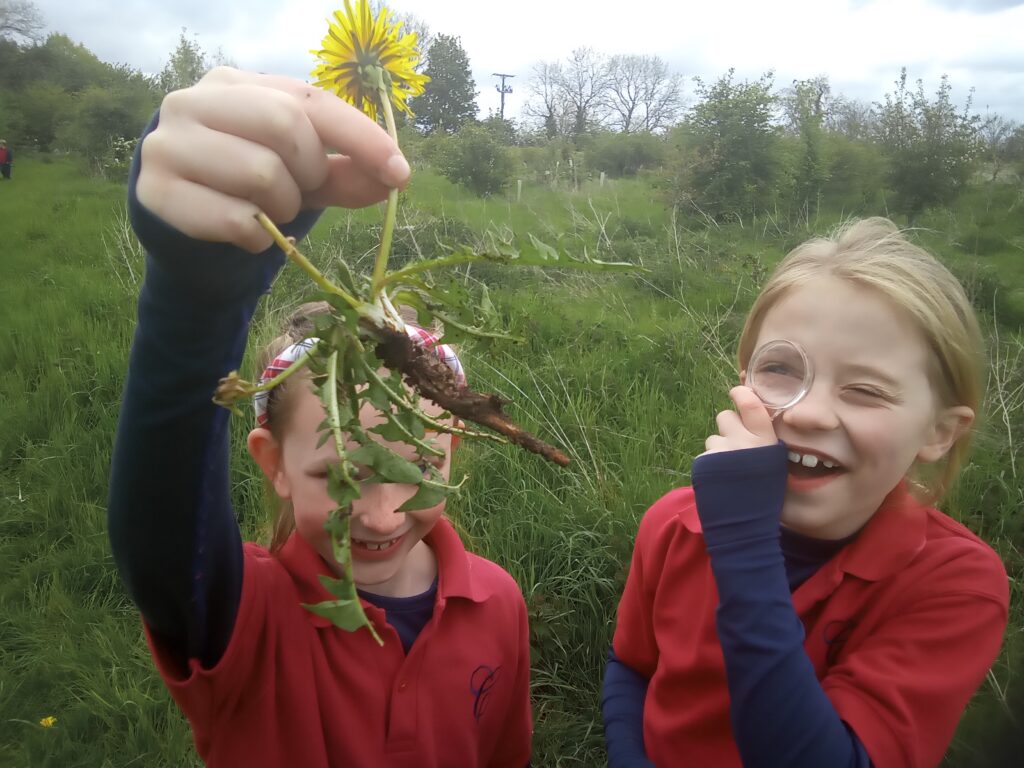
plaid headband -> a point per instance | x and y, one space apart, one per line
290 354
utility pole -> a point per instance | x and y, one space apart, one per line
502 89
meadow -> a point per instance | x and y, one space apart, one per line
625 371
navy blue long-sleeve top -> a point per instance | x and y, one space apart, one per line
173 532
754 561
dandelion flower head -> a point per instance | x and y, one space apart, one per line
355 46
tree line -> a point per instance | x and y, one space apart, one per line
56 95
729 148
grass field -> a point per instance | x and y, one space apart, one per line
626 371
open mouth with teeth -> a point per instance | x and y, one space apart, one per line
375 546
810 465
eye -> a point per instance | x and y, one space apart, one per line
775 369
865 391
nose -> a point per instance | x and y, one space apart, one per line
816 411
376 508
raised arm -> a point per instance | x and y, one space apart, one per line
218 152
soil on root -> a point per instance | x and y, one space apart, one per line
425 372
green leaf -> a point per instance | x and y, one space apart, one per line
427 495
386 463
378 395
344 614
544 251
390 431
345 278
411 422
343 589
456 332
486 307
340 485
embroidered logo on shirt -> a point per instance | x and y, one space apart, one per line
480 684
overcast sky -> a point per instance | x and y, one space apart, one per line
859 44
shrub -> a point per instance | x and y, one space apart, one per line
475 158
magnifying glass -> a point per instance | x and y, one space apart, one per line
780 374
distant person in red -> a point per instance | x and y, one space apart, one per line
6 159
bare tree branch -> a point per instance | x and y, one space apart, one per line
643 95
584 87
545 104
21 19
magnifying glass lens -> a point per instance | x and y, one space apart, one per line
780 374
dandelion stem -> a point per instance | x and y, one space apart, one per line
287 245
334 422
284 375
455 259
381 264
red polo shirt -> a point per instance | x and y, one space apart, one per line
293 690
901 627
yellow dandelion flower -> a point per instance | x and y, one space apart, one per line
359 49
48 722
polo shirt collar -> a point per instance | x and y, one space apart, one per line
893 536
305 566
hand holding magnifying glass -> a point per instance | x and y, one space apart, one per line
780 373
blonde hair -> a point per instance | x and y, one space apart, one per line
875 254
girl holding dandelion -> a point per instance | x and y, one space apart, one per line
804 603
438 673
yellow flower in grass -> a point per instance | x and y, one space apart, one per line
48 722
360 49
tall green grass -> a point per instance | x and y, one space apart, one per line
625 371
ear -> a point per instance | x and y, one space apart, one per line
743 377
950 425
266 452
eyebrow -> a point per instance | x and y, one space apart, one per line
872 373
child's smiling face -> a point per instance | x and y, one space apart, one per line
871 410
388 552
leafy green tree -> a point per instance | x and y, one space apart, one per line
930 146
856 174
449 99
734 161
853 119
805 106
503 129
476 158
624 154
186 65
60 61
1015 151
43 109
53 96
108 117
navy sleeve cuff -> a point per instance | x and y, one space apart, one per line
622 707
740 493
